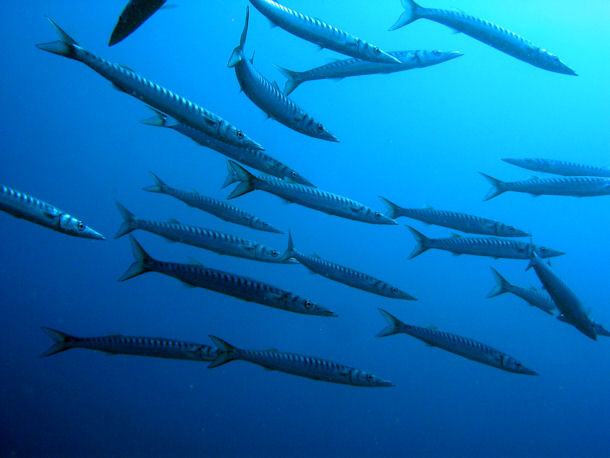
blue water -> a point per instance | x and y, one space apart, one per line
417 137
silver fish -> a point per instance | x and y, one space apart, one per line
344 275
219 242
157 347
463 346
295 364
597 327
480 246
566 301
252 157
30 208
532 296
320 33
355 67
227 283
307 196
269 98
571 186
136 12
565 168
150 93
486 32
454 220
218 208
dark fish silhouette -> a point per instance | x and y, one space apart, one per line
133 16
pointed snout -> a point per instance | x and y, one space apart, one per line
92 234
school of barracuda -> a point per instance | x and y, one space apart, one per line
176 112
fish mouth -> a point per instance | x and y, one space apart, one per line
407 296
453 55
92 234
386 58
384 383
527 371
566 70
252 144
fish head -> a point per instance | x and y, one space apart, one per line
510 364
73 226
296 178
505 230
545 252
237 137
527 162
362 378
548 61
289 301
321 132
437 57
399 294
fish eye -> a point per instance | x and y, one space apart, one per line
394 289
274 253
377 215
369 377
308 304
239 134
436 52
320 127
80 226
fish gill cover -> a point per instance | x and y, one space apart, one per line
417 133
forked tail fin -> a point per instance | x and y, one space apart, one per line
237 173
238 53
61 342
65 46
501 286
128 223
409 15
226 352
394 324
289 249
159 185
393 209
497 187
292 79
141 263
422 243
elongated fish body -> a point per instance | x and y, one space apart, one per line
599 329
131 345
269 98
295 364
307 196
532 296
491 34
218 208
217 241
564 298
565 168
24 206
133 16
344 275
150 93
462 346
454 220
570 186
252 157
357 67
227 283
320 33
480 246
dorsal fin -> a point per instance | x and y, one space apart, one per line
173 221
455 235
194 262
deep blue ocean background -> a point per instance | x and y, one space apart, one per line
417 137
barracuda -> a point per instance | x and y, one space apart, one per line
219 242
565 168
36 211
218 208
307 196
157 347
480 246
462 346
252 157
357 67
344 275
320 33
269 98
222 282
486 32
532 296
564 298
136 12
571 186
150 93
454 220
295 364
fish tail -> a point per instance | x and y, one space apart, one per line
393 209
237 173
140 265
159 185
65 46
289 249
226 352
422 242
501 286
292 79
497 186
394 324
61 342
409 15
238 53
128 223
